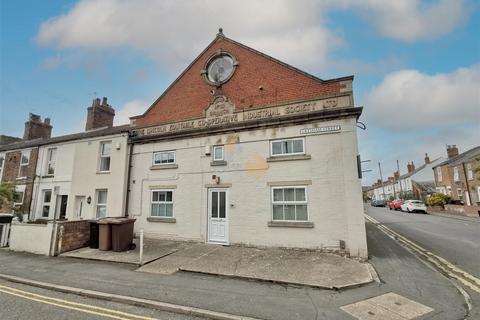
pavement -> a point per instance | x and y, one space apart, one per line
318 269
152 250
400 273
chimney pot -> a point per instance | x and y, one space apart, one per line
104 101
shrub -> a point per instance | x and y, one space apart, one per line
437 199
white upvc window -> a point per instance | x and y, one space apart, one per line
18 197
105 156
289 203
164 157
51 161
456 176
101 203
218 153
469 171
285 147
47 199
439 174
24 161
162 203
2 162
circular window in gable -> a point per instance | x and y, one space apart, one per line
219 68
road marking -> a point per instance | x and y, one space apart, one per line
444 265
109 313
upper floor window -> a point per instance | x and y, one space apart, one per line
218 153
439 174
289 203
456 176
164 157
2 162
24 161
469 171
101 203
162 203
287 147
51 159
105 156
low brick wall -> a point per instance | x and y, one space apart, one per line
469 211
76 234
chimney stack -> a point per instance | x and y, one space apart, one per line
35 128
99 115
409 167
427 159
396 174
452 151
413 166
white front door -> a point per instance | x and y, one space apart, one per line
218 215
79 205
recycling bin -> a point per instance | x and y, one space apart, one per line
122 233
93 242
104 235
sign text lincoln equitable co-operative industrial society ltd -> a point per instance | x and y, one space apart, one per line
222 111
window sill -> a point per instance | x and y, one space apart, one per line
48 176
289 158
218 163
164 166
20 178
161 219
291 224
103 172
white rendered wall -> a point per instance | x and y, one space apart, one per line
334 195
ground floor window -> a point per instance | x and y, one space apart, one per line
47 199
18 198
162 203
289 203
101 203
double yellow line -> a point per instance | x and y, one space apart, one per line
440 263
85 308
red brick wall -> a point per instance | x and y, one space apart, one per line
188 97
76 234
469 211
10 174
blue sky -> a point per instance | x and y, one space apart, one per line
416 63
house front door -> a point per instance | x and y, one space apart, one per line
218 216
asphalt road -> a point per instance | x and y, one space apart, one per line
25 302
453 239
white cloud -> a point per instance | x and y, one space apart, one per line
172 32
129 109
411 99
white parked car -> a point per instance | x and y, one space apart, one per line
414 206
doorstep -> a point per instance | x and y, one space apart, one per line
288 266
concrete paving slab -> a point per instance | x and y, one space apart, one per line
387 306
311 268
153 249
170 264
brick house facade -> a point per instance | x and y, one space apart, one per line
456 176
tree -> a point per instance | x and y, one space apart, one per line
7 192
437 199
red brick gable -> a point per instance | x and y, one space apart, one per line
189 95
